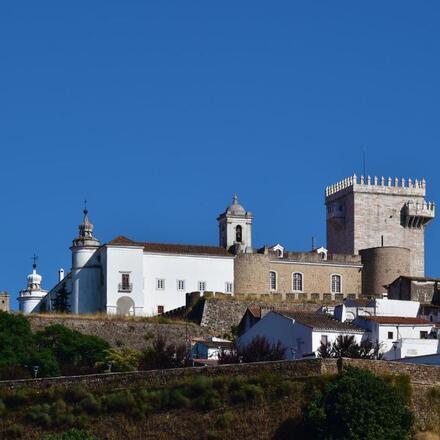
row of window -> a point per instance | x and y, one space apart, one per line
202 286
298 282
126 286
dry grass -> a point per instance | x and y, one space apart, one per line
107 317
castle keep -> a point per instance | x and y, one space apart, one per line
367 213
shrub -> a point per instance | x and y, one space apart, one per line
2 407
73 434
125 359
13 432
224 420
122 401
90 405
76 394
358 405
16 399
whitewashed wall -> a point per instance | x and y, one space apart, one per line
214 270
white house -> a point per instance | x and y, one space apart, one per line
400 336
301 333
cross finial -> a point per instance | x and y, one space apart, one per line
85 207
35 259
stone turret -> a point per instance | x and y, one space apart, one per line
365 212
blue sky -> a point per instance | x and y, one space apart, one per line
157 112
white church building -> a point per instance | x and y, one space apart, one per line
129 277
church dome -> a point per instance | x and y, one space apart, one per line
236 208
34 279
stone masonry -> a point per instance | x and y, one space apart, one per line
251 273
365 213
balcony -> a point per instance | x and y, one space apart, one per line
417 215
125 287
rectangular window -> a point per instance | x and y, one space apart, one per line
202 286
125 285
180 284
160 284
390 335
324 339
336 283
423 335
228 287
160 310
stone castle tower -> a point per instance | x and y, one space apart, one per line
366 213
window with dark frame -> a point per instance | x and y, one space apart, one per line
160 310
390 335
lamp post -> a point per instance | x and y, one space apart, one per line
293 353
36 368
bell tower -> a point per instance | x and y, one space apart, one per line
235 228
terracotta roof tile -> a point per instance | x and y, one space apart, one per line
169 248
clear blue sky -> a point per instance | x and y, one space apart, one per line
157 111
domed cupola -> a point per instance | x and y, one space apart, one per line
85 237
29 299
235 228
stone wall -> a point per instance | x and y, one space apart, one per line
251 272
220 315
4 302
123 332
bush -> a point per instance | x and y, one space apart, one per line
90 405
13 432
73 434
358 405
122 401
76 394
125 359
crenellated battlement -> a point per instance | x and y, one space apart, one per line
415 187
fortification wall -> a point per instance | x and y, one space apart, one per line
123 332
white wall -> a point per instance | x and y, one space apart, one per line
395 307
121 259
214 270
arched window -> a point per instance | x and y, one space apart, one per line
238 234
273 280
297 282
336 283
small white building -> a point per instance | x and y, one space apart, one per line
301 333
210 349
400 336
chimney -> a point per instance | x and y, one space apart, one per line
61 275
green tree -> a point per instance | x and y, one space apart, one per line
357 405
75 353
125 359
346 346
60 303
162 355
19 352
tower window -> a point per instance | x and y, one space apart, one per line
228 287
238 234
160 310
297 282
160 284
336 283
202 286
180 284
273 280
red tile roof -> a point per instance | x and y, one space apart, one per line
396 320
171 248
